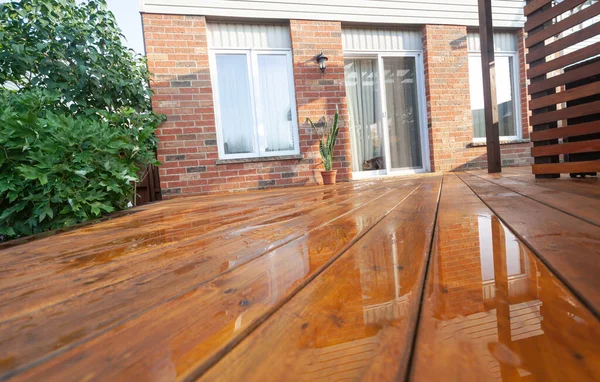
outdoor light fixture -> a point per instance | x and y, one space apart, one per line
322 61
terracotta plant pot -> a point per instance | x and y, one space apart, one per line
328 176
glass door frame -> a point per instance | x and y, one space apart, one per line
382 113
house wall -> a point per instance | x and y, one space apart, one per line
318 94
445 53
178 55
506 13
177 51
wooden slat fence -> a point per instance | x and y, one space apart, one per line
148 189
563 39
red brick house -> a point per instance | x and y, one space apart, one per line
238 80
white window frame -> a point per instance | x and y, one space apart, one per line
379 55
259 143
516 96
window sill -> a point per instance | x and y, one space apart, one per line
502 143
260 159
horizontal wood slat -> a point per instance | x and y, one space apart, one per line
542 17
566 60
564 96
568 167
562 25
564 43
571 112
566 148
559 48
565 78
565 132
534 5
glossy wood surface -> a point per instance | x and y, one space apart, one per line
344 212
313 283
570 246
589 187
492 310
582 207
356 320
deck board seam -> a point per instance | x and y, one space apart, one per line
76 344
217 230
587 304
173 245
200 371
421 297
520 178
539 201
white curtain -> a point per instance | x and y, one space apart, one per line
403 112
275 121
362 97
235 107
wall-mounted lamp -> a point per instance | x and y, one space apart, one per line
322 61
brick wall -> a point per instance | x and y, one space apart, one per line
318 94
445 57
177 51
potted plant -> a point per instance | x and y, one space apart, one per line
328 136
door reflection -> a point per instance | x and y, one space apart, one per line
509 315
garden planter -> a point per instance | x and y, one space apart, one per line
328 176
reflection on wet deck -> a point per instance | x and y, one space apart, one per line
404 278
492 310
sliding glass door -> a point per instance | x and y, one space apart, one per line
386 114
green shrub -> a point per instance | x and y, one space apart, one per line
76 124
57 169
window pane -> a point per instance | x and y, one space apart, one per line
235 108
504 96
476 85
275 121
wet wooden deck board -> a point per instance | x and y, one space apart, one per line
208 286
377 315
589 186
531 329
252 291
582 207
149 261
570 246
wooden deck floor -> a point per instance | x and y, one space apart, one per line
464 276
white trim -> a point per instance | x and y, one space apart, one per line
381 39
421 104
226 35
408 171
516 97
504 41
374 52
259 150
368 174
506 13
